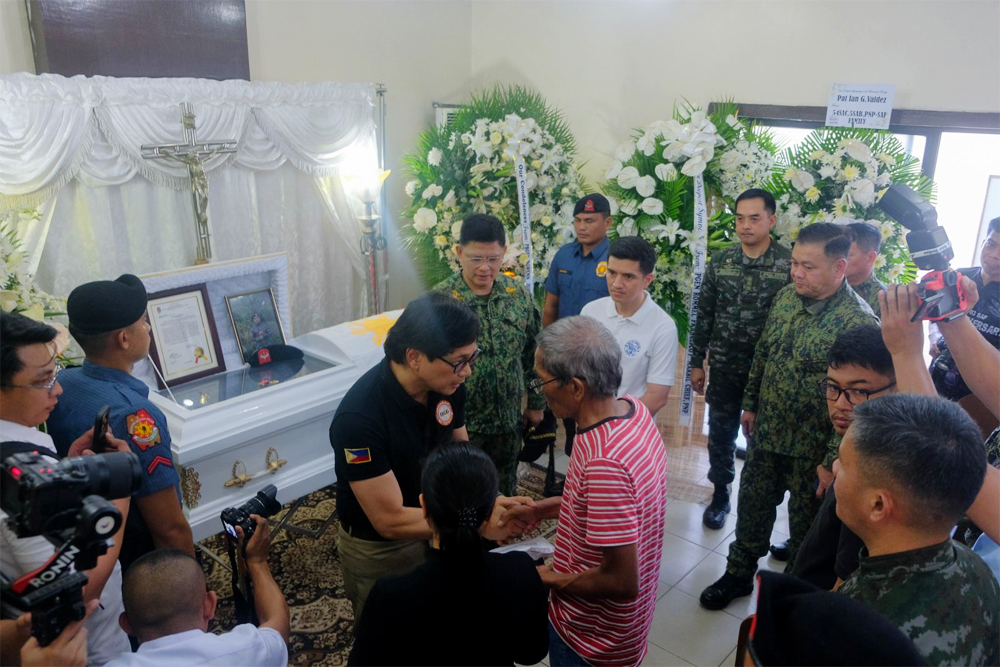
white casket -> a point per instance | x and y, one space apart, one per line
235 432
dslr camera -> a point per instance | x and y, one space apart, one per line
264 504
940 290
66 503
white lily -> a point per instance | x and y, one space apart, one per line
647 143
8 300
450 199
668 231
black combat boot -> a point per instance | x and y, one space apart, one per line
715 513
725 590
779 551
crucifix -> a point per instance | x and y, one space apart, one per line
193 155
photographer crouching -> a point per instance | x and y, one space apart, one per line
29 391
168 607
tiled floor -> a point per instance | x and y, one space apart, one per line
684 633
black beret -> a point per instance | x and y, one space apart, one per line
106 305
594 203
274 353
800 624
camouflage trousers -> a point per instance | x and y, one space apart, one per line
765 478
502 448
724 396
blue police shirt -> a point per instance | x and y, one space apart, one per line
133 418
578 279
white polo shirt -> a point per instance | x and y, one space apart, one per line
648 343
19 556
243 646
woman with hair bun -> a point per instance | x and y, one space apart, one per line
464 606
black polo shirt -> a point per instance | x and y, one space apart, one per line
379 428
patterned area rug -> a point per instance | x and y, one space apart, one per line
308 571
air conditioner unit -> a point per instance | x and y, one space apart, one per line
444 114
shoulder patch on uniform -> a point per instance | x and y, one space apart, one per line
456 295
602 269
358 454
158 461
444 413
511 290
143 430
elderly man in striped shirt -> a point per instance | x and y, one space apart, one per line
610 534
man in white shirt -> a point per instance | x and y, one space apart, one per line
28 392
646 334
168 607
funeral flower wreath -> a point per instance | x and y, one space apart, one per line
651 188
468 167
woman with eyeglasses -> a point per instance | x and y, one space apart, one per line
464 606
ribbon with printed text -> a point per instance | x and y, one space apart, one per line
699 248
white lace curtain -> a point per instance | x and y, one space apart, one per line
71 148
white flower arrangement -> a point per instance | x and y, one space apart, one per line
650 185
838 175
469 168
20 294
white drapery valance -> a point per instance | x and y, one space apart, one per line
53 128
72 148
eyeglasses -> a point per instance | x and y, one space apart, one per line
536 385
47 386
854 396
459 366
479 261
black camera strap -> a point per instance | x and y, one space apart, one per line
244 608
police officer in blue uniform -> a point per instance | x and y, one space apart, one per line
108 319
576 277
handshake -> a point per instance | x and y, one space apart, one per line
512 517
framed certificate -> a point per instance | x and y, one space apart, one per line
255 320
185 344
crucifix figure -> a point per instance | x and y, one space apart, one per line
194 155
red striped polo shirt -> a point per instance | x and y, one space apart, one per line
615 494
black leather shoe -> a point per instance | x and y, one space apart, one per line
779 551
725 590
741 453
715 514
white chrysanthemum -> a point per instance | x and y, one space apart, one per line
434 157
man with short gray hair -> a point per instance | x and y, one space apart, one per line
610 534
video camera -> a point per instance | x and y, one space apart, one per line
66 503
940 290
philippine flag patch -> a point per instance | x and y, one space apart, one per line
359 455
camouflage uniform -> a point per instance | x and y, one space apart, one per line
735 298
792 428
510 323
868 290
943 597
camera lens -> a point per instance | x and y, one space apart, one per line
114 475
264 503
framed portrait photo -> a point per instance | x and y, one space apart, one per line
256 321
185 344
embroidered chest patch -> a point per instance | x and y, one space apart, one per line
632 348
444 413
143 430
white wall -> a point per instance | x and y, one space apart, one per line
419 49
612 65
15 40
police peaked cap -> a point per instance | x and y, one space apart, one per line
106 305
800 624
594 203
